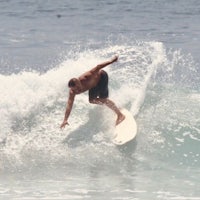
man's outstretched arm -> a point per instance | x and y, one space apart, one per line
104 64
68 109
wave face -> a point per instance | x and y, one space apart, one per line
159 87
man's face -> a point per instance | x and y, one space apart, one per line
77 88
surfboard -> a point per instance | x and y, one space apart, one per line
126 130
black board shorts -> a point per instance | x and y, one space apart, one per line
101 89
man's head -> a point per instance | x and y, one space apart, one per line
75 85
72 82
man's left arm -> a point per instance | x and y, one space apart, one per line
68 109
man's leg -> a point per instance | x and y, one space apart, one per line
99 95
111 105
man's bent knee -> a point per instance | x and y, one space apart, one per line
97 101
92 100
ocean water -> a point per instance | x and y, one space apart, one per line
44 44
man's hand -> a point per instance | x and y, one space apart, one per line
115 58
64 124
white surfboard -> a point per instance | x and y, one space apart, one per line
126 130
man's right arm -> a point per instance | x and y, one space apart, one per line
104 64
68 109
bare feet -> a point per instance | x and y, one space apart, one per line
120 118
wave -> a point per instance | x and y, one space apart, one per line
145 80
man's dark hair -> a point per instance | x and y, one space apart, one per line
71 82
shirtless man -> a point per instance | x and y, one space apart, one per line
96 81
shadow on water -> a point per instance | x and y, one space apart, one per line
128 148
85 132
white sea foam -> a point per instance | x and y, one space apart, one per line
33 105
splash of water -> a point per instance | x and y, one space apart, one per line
33 104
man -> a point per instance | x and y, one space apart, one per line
96 82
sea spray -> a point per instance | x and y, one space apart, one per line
33 106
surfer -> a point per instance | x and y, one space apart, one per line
96 82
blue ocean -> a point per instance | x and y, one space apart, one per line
157 78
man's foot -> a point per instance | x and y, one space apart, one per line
120 118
